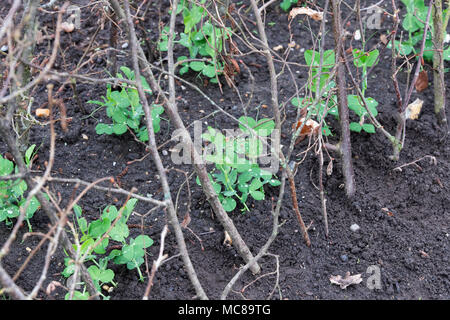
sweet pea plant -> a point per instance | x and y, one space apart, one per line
125 109
202 40
413 23
328 102
95 238
12 193
363 60
237 173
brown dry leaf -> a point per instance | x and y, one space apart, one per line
330 168
68 27
44 113
383 39
413 109
315 15
344 282
227 241
422 81
310 127
278 48
186 220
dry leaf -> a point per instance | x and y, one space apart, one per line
67 27
344 282
330 168
277 48
413 109
315 15
383 39
43 113
422 81
186 220
310 127
228 242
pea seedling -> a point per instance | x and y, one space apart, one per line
201 39
12 192
413 23
237 173
125 109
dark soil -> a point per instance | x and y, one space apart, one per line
403 215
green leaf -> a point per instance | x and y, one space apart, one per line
102 128
229 204
119 128
245 177
99 227
101 247
78 211
355 126
197 65
128 72
143 241
209 71
368 127
120 232
32 207
250 122
6 167
77 295
255 184
82 223
29 153
257 195
274 182
9 212
110 212
264 127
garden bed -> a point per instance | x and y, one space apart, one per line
403 215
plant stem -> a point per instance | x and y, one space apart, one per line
438 64
345 144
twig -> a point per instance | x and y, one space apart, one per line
153 150
156 263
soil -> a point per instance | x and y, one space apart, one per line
403 215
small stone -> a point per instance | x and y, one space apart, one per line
354 227
165 153
344 258
125 45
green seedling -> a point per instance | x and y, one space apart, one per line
91 233
287 4
12 192
125 109
201 38
328 102
413 23
132 253
363 60
237 174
